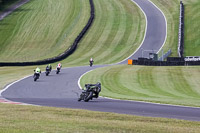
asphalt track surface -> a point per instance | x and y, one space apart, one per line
62 90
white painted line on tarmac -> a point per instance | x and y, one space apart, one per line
79 85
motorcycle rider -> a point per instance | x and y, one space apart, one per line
49 67
59 66
95 87
37 71
91 62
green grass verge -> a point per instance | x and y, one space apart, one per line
171 85
42 29
31 119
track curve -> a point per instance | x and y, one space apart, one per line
62 90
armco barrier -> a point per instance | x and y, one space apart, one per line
181 31
64 55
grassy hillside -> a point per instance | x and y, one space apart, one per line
172 85
41 29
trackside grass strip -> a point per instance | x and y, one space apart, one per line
171 85
30 119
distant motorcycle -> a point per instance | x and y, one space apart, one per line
47 72
58 70
36 76
91 63
91 91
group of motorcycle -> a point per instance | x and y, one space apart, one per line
89 92
37 71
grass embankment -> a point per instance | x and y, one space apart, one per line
21 119
192 31
41 29
171 85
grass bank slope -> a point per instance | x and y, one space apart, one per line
30 119
41 29
171 85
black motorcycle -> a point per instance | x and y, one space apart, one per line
91 63
58 70
47 72
91 91
36 76
86 96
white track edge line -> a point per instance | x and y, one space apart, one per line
79 85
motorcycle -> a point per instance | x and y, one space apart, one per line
91 63
86 96
36 76
91 91
47 72
58 70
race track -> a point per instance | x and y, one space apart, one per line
62 90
